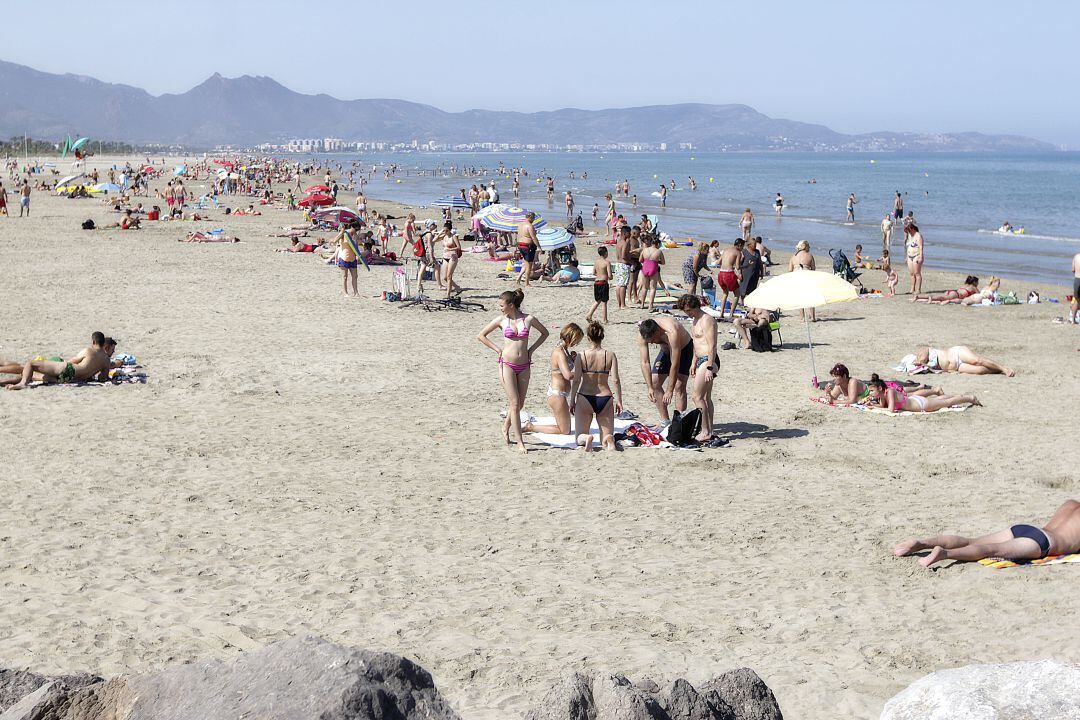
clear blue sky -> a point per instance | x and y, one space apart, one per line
856 66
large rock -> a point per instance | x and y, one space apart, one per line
17 684
295 679
736 695
1013 691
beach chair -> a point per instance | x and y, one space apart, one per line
842 267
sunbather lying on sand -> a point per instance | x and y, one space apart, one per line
299 247
969 288
959 358
92 361
1060 536
987 293
852 391
894 398
201 237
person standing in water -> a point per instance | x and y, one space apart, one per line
663 196
746 222
778 205
851 202
1074 304
898 207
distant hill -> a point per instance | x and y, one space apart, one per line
251 110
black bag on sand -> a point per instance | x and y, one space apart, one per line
683 428
761 339
88 225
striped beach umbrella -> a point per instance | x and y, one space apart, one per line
554 238
452 201
506 218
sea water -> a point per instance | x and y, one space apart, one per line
959 199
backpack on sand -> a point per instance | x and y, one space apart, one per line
683 428
761 338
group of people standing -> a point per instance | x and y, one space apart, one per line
585 386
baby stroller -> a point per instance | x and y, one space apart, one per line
842 266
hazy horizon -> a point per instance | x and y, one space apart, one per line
854 67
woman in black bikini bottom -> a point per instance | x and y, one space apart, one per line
595 376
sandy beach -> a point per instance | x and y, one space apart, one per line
302 462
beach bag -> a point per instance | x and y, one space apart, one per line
88 225
683 428
761 339
641 436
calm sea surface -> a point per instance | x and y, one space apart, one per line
959 200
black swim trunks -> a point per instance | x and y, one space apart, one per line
1032 533
662 365
528 252
601 292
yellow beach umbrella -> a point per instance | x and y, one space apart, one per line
800 290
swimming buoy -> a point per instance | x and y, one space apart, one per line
712 179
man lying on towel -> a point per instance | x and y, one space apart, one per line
92 362
1060 536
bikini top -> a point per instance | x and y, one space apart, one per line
511 334
585 369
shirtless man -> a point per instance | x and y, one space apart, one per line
1074 304
527 244
706 363
620 272
601 284
92 361
1060 536
673 361
729 275
959 359
851 202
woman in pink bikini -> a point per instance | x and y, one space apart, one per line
893 397
515 356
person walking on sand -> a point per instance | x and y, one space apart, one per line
728 276
597 392
672 363
527 245
851 202
515 357
886 232
1060 536
916 248
751 270
601 285
746 222
620 272
652 259
24 198
706 361
346 260
609 217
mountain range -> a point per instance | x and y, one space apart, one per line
250 110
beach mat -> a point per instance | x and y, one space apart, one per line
570 441
882 411
1001 563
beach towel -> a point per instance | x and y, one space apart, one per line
881 410
1001 563
570 441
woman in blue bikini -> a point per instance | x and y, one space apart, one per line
595 375
1060 536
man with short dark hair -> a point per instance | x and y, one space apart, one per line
673 361
621 267
527 244
92 361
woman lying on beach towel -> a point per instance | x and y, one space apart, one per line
959 359
987 293
845 389
1060 536
969 288
894 398
201 237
